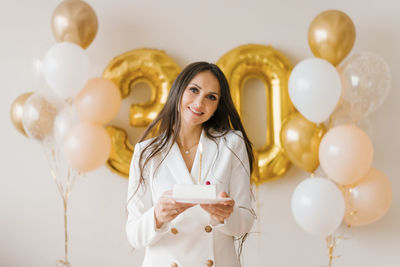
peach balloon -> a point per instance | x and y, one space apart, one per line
99 101
368 200
87 146
345 154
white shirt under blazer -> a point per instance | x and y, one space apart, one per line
193 238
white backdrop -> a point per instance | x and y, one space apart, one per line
31 216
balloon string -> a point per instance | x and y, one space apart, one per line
334 239
330 122
259 218
64 193
330 243
66 230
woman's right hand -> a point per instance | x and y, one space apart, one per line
167 209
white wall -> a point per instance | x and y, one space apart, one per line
31 220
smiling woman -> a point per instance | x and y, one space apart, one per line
199 110
200 99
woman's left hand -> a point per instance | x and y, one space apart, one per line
221 210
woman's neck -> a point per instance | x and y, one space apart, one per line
188 136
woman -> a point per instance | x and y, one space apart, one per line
199 108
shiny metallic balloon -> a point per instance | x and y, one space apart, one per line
331 36
74 21
273 69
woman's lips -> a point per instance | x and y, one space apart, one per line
195 112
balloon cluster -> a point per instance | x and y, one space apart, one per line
354 192
51 120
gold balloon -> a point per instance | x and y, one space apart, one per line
271 67
300 140
74 21
153 67
331 36
121 151
17 110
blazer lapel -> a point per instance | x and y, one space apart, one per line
209 153
177 166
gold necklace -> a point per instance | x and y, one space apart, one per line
186 150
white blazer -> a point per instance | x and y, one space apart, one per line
192 239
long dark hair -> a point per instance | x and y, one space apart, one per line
167 124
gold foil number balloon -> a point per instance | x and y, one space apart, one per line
74 21
159 71
271 67
331 36
153 67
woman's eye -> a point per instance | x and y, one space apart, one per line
212 97
194 89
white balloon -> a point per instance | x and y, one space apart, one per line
315 88
344 115
66 68
318 206
64 121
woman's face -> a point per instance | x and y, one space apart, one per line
200 99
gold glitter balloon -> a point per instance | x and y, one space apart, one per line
38 117
271 67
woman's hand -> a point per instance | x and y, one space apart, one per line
167 209
221 210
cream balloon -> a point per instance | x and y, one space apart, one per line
318 206
66 68
315 88
368 200
87 146
345 153
99 101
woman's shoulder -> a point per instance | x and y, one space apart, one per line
143 144
230 137
148 146
235 134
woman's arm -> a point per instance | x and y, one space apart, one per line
141 227
241 219
147 222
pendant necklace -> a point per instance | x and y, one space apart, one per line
187 150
